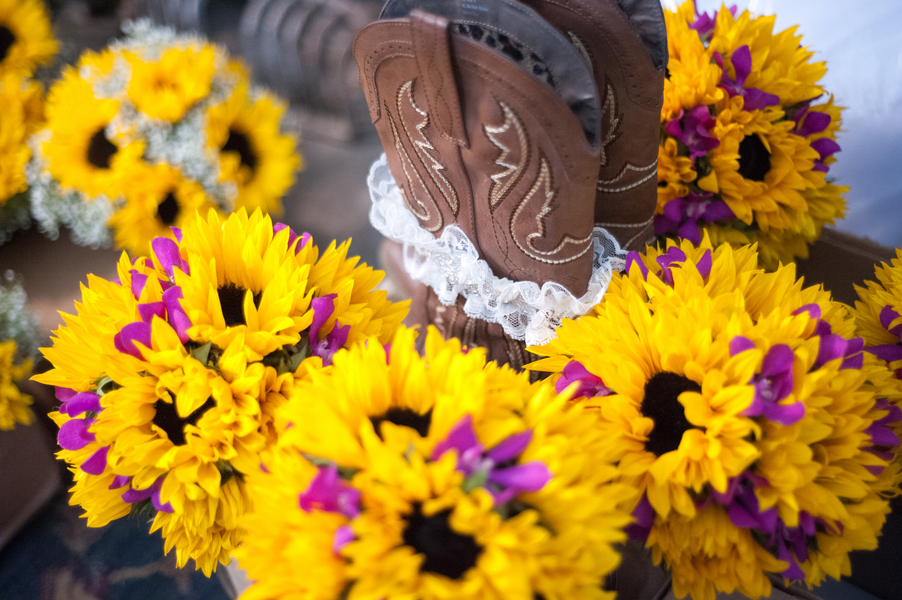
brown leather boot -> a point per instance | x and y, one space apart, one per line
626 43
476 141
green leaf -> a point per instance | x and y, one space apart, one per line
202 354
476 480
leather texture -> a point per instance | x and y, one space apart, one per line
625 42
519 180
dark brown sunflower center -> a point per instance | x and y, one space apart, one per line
404 417
754 159
168 210
101 150
168 419
447 552
661 404
7 39
231 299
239 143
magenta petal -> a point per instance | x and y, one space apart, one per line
813 310
740 517
704 264
784 415
167 252
528 477
149 310
689 231
825 147
177 232
460 437
510 447
831 348
673 127
887 352
742 64
131 333
633 257
155 497
882 436
740 344
887 316
139 280
323 308
74 434
306 238
815 122
718 211
327 492
63 394
96 464
133 495
120 481
344 535
81 403
778 360
177 317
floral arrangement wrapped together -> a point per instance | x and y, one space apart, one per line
879 317
745 412
26 42
398 476
170 375
147 132
747 136
18 344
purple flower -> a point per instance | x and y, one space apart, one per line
589 385
292 236
694 130
176 314
96 464
644 517
704 23
167 252
826 148
328 493
344 535
752 98
325 347
682 215
809 122
834 346
666 260
77 404
153 492
74 434
632 258
882 437
889 352
772 384
503 483
137 332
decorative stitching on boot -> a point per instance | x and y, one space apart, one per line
544 180
609 110
603 183
425 145
515 171
405 160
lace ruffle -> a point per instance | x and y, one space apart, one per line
451 266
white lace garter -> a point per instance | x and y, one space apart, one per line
451 266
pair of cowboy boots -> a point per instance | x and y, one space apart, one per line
524 124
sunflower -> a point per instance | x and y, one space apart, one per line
26 37
167 87
744 411
13 403
81 153
759 150
170 375
395 500
159 198
253 153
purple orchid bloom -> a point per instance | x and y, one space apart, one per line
167 253
75 434
752 98
673 255
96 463
326 346
344 535
176 314
503 483
772 384
826 148
882 437
693 129
632 258
137 332
682 215
169 308
889 352
809 122
834 346
75 404
589 385
329 493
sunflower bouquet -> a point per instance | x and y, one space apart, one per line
401 476
879 318
170 375
157 126
18 344
26 42
747 136
744 412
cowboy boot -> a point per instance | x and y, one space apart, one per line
625 41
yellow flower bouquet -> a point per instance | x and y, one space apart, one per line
747 136
400 476
743 409
18 345
170 375
155 127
